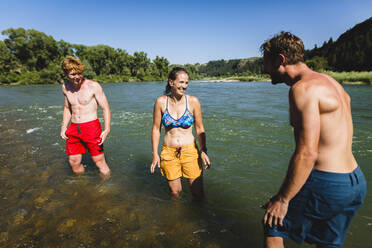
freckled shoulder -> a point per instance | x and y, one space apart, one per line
193 102
92 83
160 101
64 86
193 99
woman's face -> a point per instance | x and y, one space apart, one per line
181 83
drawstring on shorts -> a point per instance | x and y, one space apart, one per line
178 152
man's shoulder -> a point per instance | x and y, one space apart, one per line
313 83
316 88
91 83
65 86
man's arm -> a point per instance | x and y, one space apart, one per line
103 103
305 105
65 118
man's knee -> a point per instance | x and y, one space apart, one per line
99 159
74 161
100 162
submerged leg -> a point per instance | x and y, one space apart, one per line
101 164
175 186
75 163
196 187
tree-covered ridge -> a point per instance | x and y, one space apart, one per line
30 56
352 51
234 67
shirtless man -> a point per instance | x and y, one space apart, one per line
81 99
324 186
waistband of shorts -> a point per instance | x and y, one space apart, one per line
188 146
85 123
334 176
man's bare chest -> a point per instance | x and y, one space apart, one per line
80 98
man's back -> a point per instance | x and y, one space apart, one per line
335 121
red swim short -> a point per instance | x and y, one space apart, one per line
82 136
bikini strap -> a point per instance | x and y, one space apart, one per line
186 102
166 105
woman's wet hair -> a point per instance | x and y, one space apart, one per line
173 76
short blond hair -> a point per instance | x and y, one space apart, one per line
287 44
71 63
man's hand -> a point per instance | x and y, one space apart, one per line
205 159
63 133
155 162
276 210
103 136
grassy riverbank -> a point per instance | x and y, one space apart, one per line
364 77
353 77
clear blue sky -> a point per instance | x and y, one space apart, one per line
185 31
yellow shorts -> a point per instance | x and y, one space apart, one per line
179 162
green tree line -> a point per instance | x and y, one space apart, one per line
234 67
32 57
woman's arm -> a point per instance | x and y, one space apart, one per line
156 128
200 131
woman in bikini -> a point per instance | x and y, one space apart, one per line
179 156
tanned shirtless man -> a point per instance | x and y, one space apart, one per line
324 186
81 99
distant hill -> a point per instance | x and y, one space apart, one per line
352 51
232 67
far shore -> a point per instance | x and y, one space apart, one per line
206 80
264 80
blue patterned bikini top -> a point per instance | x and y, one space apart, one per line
185 121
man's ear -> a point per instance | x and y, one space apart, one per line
282 59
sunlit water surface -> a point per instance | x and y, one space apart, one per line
42 204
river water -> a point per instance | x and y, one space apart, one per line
42 204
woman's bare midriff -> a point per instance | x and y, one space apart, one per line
178 136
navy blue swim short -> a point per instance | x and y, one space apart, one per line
322 210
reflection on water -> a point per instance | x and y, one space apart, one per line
249 141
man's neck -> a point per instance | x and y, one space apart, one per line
296 72
77 87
